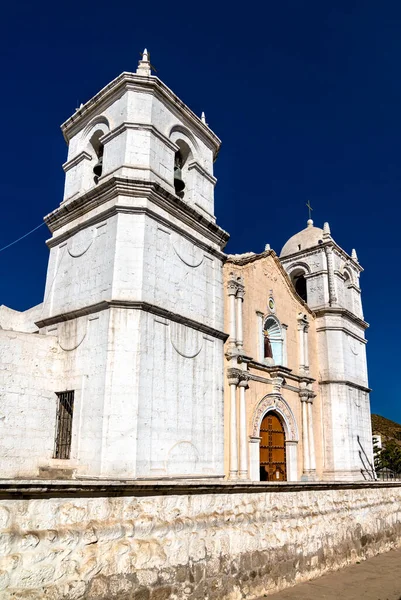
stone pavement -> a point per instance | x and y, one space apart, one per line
378 578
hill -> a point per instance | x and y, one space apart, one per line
386 428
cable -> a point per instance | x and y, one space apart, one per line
22 237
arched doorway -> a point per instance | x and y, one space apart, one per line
272 462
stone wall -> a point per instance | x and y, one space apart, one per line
100 540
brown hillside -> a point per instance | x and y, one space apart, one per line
386 427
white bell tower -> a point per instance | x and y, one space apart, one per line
327 278
134 285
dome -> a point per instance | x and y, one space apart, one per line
307 238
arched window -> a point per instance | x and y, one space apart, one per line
299 283
273 341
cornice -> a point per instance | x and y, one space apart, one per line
76 160
15 489
194 164
345 382
133 305
130 81
112 188
279 371
139 126
345 330
343 312
140 210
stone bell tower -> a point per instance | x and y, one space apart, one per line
134 284
327 278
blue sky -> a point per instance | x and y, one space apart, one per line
306 97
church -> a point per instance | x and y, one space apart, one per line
156 355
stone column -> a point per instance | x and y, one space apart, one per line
306 347
240 333
301 344
243 446
312 458
232 291
291 448
260 336
284 330
233 381
305 434
330 275
254 458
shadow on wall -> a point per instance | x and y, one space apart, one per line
368 472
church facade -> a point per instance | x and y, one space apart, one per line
156 355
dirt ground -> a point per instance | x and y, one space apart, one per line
377 578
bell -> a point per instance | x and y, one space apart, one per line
179 185
97 169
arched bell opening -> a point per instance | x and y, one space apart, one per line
299 282
348 300
181 161
98 149
272 449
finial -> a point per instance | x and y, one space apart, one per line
354 255
326 231
267 247
309 223
203 118
144 66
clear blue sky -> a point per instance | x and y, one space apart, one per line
306 97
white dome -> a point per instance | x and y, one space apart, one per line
307 238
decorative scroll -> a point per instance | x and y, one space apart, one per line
278 404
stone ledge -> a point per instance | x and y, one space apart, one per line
36 488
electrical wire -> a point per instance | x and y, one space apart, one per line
22 237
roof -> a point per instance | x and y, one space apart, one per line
307 238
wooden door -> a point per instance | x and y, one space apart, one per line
272 449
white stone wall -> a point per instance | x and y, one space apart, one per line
30 367
80 271
24 321
222 544
180 419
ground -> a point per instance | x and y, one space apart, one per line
378 578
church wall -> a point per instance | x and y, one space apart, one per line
181 276
30 374
263 278
180 419
80 269
98 540
100 353
24 321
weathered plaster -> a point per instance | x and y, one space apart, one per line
102 541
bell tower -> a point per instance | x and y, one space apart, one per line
327 278
134 284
